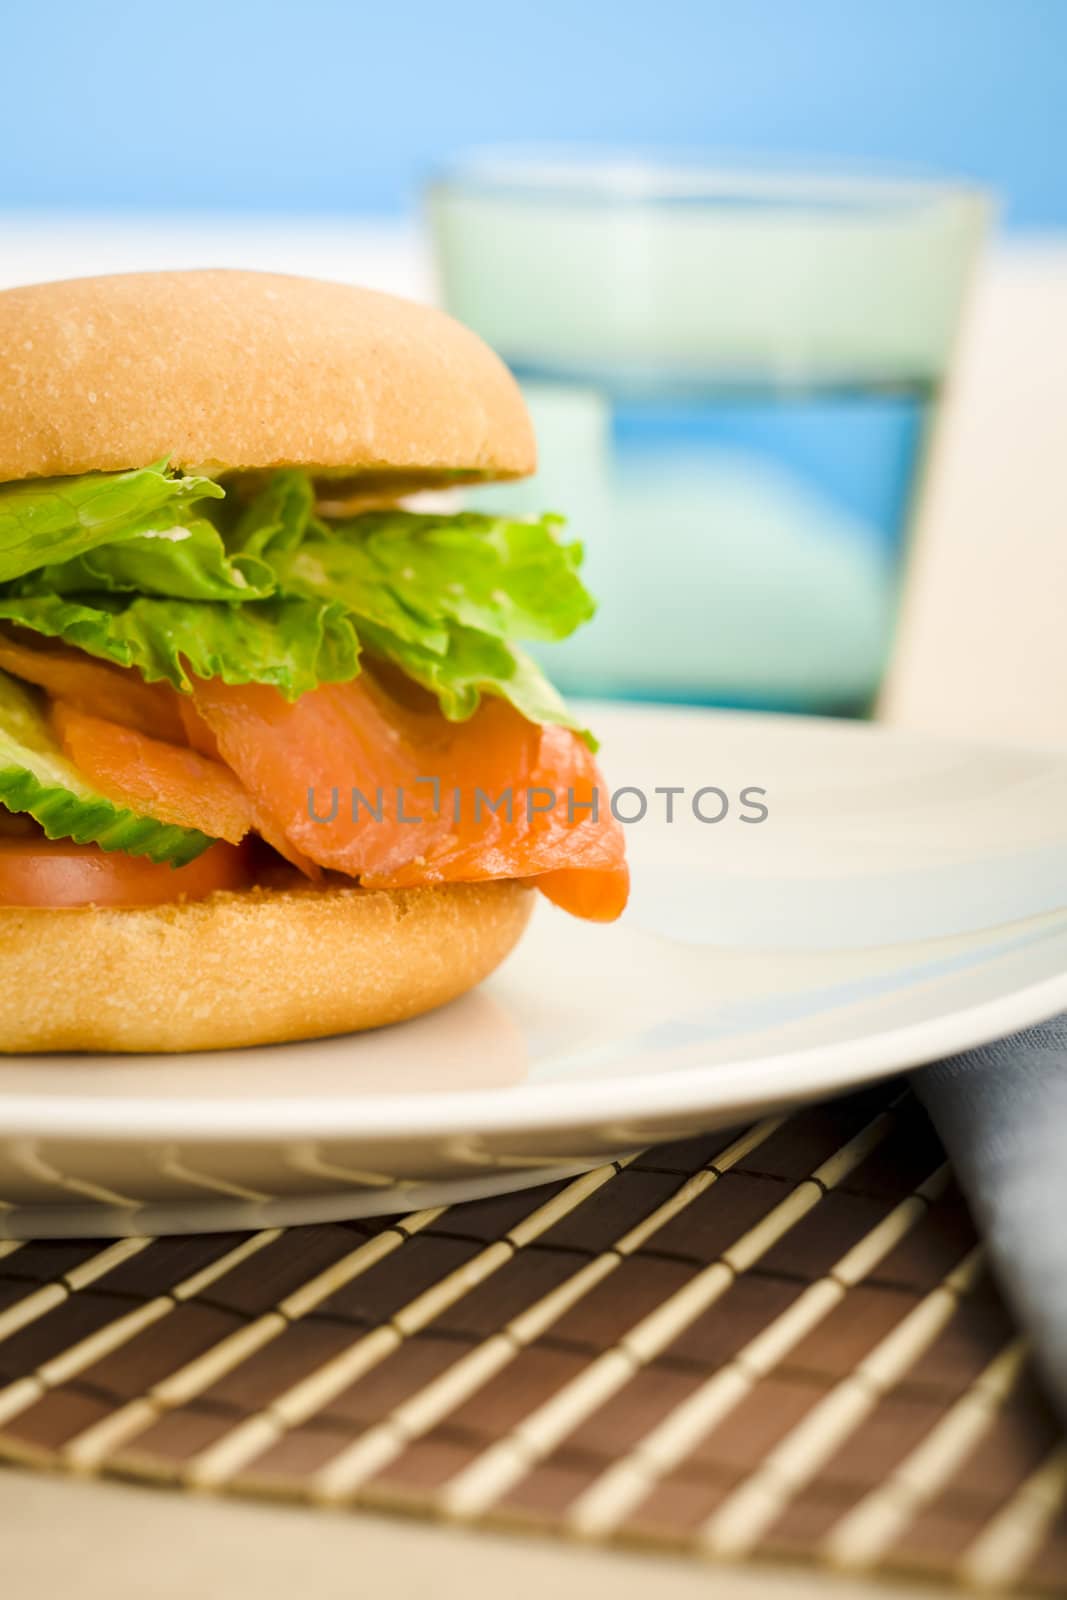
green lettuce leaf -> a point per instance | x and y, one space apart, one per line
45 521
475 664
36 778
291 644
262 591
278 517
443 598
179 559
513 580
343 574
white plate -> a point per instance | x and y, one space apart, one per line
904 898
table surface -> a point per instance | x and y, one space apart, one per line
986 655
112 1541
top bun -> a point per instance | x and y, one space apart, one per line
226 370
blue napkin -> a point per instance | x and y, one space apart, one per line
1001 1112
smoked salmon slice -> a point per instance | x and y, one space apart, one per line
349 778
197 733
118 694
169 782
396 796
596 895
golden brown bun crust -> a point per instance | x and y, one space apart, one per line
227 369
252 968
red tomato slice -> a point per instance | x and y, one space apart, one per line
57 873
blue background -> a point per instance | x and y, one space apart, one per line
327 106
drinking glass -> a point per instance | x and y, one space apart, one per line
735 377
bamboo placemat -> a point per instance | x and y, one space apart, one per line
776 1343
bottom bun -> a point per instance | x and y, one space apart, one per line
257 967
